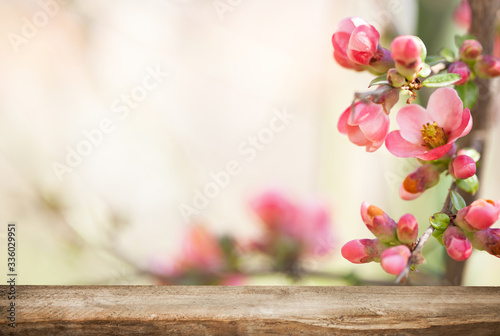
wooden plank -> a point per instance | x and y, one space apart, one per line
210 310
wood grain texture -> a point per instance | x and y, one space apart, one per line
210 310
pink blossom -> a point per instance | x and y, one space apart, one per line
470 50
425 177
463 14
394 259
430 134
366 126
355 42
462 167
407 229
306 224
479 215
378 222
487 240
201 250
406 51
457 245
360 251
487 66
462 69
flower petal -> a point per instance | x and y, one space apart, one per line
445 107
376 129
364 113
435 153
400 147
463 129
356 136
410 119
342 123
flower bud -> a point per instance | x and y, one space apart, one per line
388 98
360 251
462 14
487 240
407 229
425 177
395 78
381 61
406 52
394 259
379 223
480 215
355 42
457 245
461 69
462 167
487 66
470 50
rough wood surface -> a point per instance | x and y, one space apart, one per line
204 310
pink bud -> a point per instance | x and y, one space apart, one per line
407 229
395 78
462 167
463 14
381 61
360 251
354 47
425 177
406 52
461 69
487 240
378 222
480 215
366 126
487 66
394 259
457 245
470 50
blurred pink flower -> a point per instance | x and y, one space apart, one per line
430 134
462 69
367 125
201 250
463 15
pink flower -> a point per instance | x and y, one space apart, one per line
457 245
462 69
394 259
367 125
462 167
430 134
407 229
425 177
479 215
407 54
355 43
470 50
201 250
487 66
379 223
307 225
360 251
463 14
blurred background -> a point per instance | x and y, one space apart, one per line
117 117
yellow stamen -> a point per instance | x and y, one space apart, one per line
433 135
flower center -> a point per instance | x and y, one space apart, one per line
433 135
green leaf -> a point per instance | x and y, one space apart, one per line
426 70
457 200
441 80
423 53
474 154
379 80
468 93
470 184
459 39
433 60
448 54
438 235
440 221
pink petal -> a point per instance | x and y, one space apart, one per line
410 119
463 129
435 153
343 61
356 136
348 24
374 146
377 129
407 196
342 123
445 108
340 41
401 147
363 44
364 113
